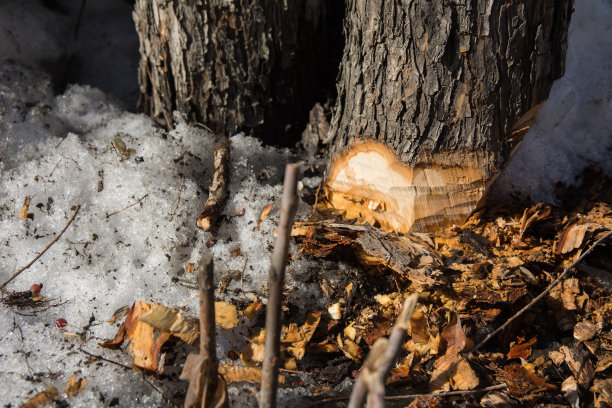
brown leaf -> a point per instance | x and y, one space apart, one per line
462 377
523 382
173 322
42 398
453 334
323 347
252 354
350 349
522 350
75 386
23 214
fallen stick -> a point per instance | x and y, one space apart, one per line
78 207
218 191
369 382
276 280
206 389
129 206
523 310
440 394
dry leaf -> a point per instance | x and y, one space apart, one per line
523 382
453 334
226 315
252 309
42 398
522 350
462 377
233 374
264 215
144 345
75 386
173 322
189 268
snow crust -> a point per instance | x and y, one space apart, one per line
60 147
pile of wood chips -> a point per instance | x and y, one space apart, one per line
470 279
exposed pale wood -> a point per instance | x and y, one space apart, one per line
370 184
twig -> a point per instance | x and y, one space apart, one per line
131 205
523 310
413 396
78 207
104 359
79 17
276 278
386 361
449 393
218 191
178 198
54 167
203 126
201 369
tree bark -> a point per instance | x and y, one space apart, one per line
428 94
256 66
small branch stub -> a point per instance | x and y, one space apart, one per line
206 387
276 279
219 187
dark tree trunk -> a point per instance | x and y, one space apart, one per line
428 94
255 66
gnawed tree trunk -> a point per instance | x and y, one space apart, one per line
255 66
428 95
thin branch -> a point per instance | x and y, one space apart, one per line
178 198
219 187
524 309
54 167
449 393
413 396
131 205
387 359
99 357
276 279
78 207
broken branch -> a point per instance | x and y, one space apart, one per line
219 187
387 359
276 278
201 370
78 207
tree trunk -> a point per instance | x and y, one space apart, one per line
428 94
256 66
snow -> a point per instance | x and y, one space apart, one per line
57 148
573 128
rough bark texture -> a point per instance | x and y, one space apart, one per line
237 66
441 83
